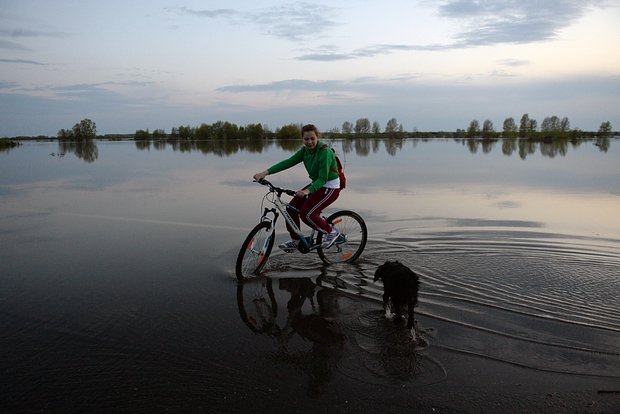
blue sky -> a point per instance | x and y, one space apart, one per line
432 65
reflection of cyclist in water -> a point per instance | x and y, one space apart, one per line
326 336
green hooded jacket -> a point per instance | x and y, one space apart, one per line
320 163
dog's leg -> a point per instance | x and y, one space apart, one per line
388 311
386 307
413 335
411 324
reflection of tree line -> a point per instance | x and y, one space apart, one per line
88 151
221 148
364 146
79 140
525 147
85 150
7 144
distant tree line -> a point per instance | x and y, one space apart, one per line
552 128
219 131
229 131
362 146
224 138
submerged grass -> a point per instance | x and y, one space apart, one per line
6 144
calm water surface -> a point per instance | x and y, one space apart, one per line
117 290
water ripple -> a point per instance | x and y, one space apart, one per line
539 300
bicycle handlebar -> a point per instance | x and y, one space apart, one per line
276 189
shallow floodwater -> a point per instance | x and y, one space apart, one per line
117 290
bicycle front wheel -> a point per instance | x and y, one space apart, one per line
255 251
351 242
257 304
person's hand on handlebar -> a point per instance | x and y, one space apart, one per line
302 193
261 175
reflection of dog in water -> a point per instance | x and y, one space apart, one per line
400 292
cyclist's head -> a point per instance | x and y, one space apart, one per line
308 128
310 136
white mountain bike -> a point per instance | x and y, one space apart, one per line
258 244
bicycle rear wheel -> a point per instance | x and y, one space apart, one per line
255 251
351 242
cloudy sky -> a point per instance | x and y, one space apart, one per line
432 65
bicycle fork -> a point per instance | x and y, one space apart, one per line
261 251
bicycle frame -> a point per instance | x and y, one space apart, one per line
307 242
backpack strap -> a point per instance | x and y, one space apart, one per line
339 170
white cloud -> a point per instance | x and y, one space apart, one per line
507 21
22 61
294 21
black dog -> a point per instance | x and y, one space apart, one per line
400 291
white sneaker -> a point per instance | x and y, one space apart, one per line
289 246
330 238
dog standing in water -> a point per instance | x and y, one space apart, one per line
400 292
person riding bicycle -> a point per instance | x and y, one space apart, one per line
309 202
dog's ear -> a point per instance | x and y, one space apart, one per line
379 272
